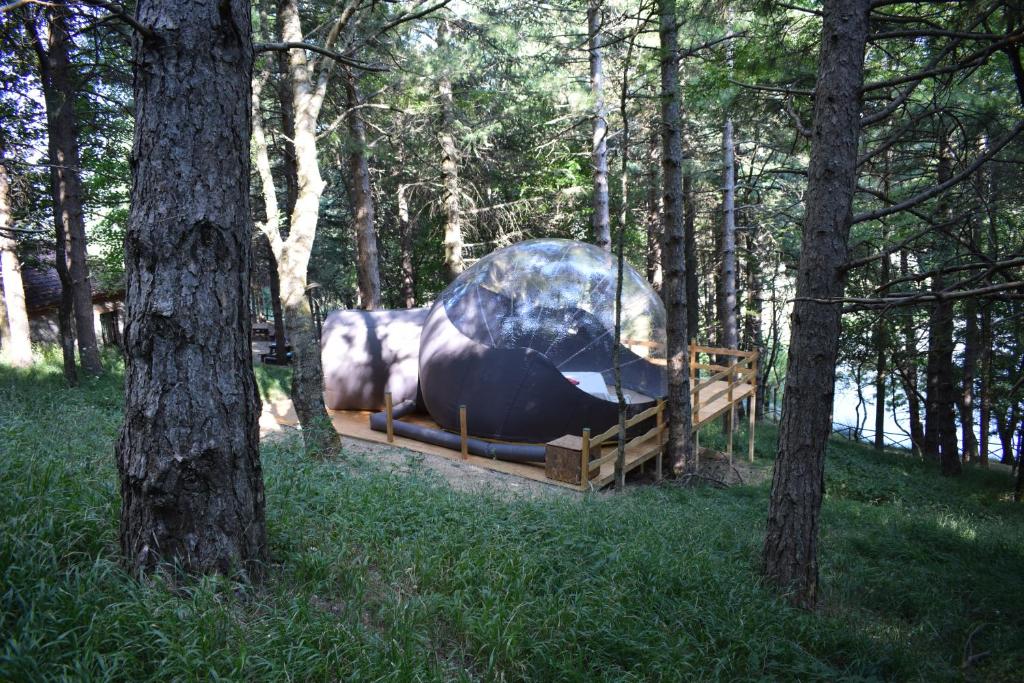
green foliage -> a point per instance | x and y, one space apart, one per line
377 575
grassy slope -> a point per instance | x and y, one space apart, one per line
399 578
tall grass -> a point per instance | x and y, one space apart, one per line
377 576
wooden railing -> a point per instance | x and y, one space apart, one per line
740 373
590 443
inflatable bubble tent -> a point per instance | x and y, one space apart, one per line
525 340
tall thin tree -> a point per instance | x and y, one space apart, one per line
791 540
680 417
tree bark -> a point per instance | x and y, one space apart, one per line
791 539
16 342
966 403
453 263
188 454
940 413
881 339
1006 425
654 266
679 447
600 219
362 201
292 253
753 320
985 413
726 298
690 256
909 371
62 131
406 233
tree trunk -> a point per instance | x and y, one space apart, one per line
881 334
791 538
293 254
679 447
940 414
985 414
970 440
406 232
453 263
59 91
909 372
362 201
16 342
600 219
726 299
286 99
188 454
1006 426
753 321
654 266
690 256
66 307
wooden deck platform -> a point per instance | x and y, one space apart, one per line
712 396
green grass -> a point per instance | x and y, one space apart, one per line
376 576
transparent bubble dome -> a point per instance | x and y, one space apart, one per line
556 297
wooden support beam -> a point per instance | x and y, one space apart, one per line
752 427
732 408
389 413
464 432
585 460
661 439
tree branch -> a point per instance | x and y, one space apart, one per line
941 187
282 47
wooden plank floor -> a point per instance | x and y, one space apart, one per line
356 424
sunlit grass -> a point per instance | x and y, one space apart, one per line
376 576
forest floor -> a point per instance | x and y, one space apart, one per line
381 570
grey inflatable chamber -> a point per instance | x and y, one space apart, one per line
367 353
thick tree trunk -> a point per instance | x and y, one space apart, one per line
453 263
407 235
1006 426
362 202
188 455
654 267
690 256
16 342
985 414
62 131
600 219
680 444
940 416
791 538
970 440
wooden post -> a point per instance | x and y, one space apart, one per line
463 432
585 460
752 409
661 439
752 427
732 409
389 413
